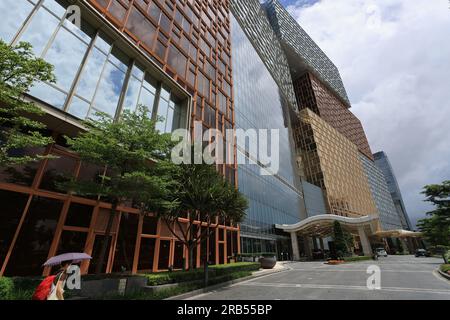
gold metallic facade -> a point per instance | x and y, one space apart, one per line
332 161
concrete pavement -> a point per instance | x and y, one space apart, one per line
402 278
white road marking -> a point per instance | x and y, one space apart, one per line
344 287
362 270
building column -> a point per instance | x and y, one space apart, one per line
367 249
322 246
295 249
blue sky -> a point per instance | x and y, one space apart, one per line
394 62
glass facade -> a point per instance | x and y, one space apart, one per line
92 75
274 199
389 218
383 163
99 71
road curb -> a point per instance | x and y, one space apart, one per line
446 276
224 284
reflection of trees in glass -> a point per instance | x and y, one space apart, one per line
22 175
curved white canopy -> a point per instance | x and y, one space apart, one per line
320 219
322 224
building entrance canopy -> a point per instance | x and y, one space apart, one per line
322 225
398 234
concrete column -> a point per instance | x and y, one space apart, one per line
367 249
295 250
322 247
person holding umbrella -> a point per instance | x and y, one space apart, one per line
58 284
52 287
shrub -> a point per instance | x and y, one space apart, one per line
447 257
6 288
359 258
156 279
223 269
445 268
18 288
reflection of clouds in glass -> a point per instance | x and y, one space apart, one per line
40 30
91 74
55 7
147 99
49 95
78 108
258 102
132 96
10 23
107 96
66 54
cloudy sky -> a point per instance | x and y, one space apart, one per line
394 58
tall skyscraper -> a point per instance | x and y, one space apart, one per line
383 163
231 64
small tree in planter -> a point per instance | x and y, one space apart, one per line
340 241
135 155
400 247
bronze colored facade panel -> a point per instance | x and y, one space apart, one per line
312 94
332 162
191 41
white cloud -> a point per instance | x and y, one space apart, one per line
394 58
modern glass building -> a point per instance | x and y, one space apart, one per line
383 163
275 198
389 217
231 64
174 57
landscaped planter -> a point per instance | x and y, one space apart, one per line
335 262
268 262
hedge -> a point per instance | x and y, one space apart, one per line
359 258
17 288
445 268
215 271
6 288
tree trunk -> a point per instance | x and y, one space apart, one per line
206 260
191 256
105 244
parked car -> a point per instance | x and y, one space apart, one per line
422 253
381 252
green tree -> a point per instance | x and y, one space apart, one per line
19 124
400 247
436 227
136 156
340 241
202 195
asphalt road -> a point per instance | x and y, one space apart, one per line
402 278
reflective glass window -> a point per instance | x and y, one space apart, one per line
146 254
35 238
11 23
13 204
